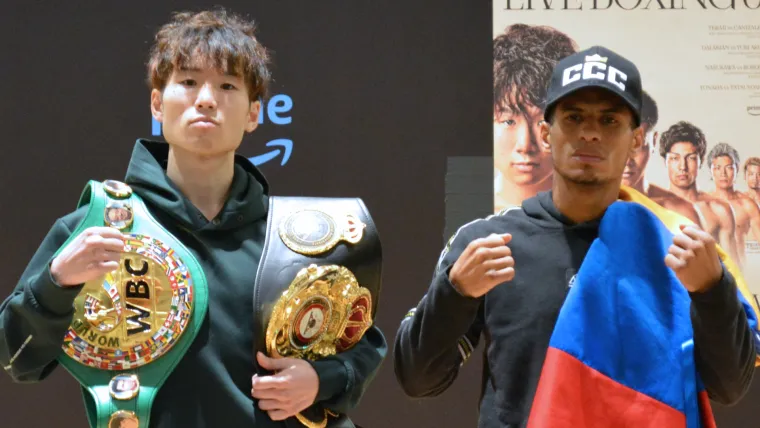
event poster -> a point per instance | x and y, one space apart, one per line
700 67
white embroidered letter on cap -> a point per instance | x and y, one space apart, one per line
588 70
612 77
571 74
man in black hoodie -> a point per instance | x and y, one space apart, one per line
207 72
505 278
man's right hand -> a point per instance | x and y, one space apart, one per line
484 264
93 253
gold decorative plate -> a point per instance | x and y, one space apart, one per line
312 232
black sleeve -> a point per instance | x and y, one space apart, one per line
37 314
439 335
723 341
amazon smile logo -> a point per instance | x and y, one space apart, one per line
277 110
753 110
286 148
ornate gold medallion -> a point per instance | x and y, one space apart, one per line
134 314
124 387
117 189
118 214
313 232
123 419
324 311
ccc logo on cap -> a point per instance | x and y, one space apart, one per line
595 67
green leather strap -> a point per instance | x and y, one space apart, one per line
152 374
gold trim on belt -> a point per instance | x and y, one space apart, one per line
324 311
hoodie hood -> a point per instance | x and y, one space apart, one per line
542 209
146 174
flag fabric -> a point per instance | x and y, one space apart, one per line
622 350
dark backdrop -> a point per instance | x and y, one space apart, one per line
383 96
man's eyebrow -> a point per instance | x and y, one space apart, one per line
571 107
617 108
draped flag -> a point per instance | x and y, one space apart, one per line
622 351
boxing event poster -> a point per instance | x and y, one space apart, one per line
700 67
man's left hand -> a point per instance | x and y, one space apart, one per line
292 388
694 259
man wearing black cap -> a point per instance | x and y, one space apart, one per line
505 278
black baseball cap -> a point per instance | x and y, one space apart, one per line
595 67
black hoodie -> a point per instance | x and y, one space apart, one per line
516 319
211 385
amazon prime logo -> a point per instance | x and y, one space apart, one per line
277 110
281 146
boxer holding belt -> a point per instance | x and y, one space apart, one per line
157 293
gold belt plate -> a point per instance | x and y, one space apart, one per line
135 314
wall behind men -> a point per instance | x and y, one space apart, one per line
374 97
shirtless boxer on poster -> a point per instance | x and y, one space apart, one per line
634 174
683 147
752 177
724 162
521 168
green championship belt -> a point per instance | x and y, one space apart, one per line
133 325
318 284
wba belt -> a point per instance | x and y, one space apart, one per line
132 326
317 285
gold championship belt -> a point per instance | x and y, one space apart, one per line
323 312
132 326
321 276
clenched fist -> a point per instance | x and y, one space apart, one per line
93 253
694 259
484 264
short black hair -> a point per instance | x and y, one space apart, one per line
524 57
685 132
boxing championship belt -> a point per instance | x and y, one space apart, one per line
317 285
133 325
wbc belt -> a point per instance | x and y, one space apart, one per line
317 285
132 326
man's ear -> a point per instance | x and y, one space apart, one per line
638 140
545 139
253 116
156 105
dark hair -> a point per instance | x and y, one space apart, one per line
217 39
524 57
754 160
650 113
684 132
723 149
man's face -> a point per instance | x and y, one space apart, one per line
592 137
517 153
723 172
637 164
204 111
752 176
682 162
128 423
